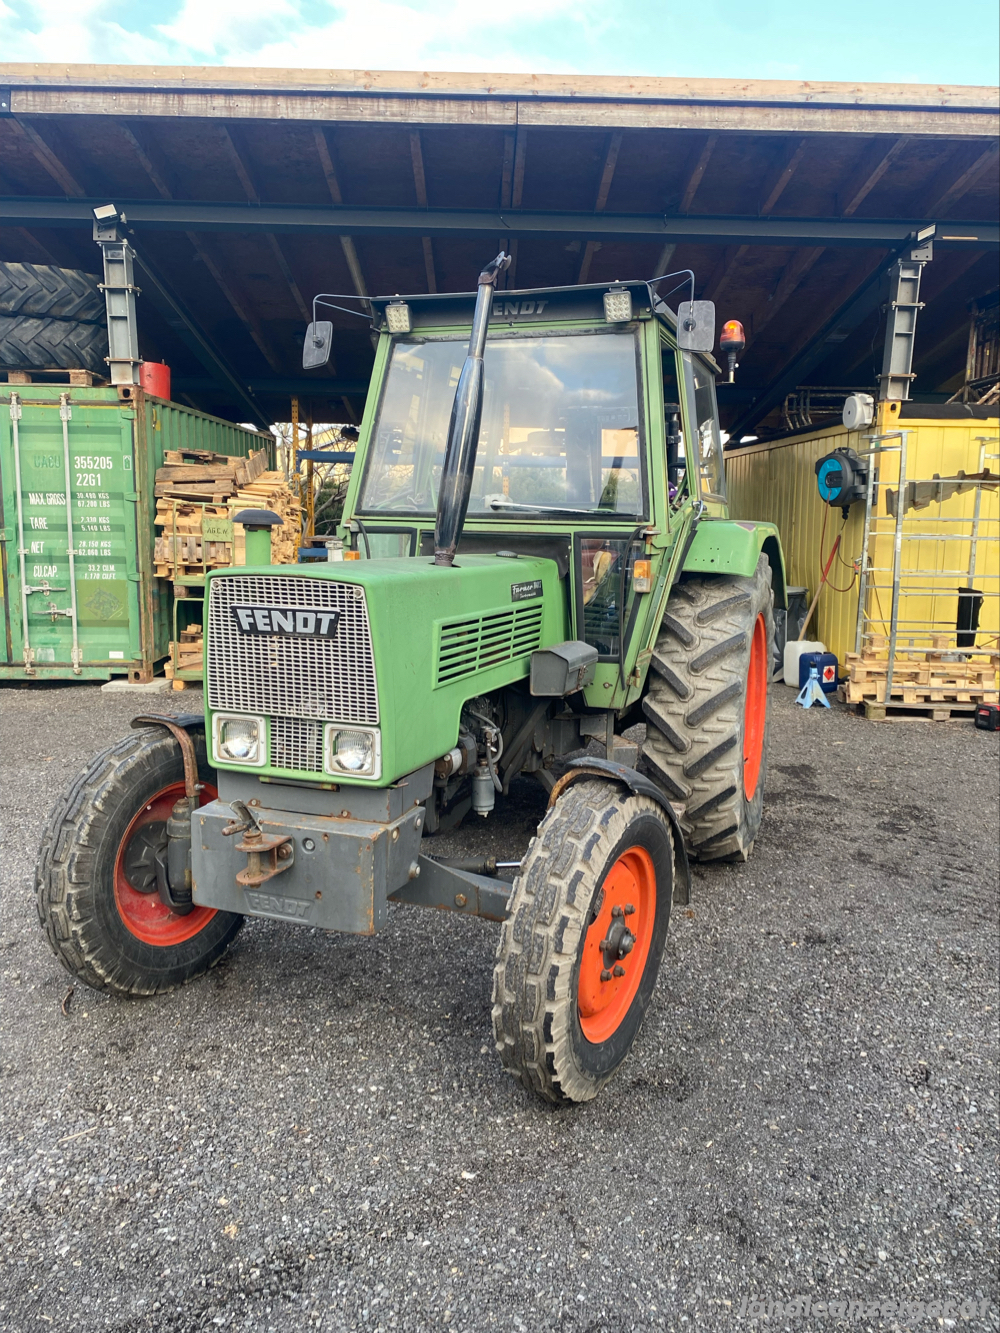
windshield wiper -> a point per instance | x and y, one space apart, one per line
542 508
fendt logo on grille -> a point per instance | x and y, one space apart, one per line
290 620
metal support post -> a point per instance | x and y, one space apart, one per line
901 318
119 295
859 627
897 560
15 417
65 413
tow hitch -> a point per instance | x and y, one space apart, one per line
268 854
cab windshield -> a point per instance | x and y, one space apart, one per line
560 428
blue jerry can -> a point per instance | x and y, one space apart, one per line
826 666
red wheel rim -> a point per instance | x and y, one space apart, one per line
603 1004
143 914
755 709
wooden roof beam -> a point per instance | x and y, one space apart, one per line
158 172
367 97
515 153
947 188
238 155
694 180
420 186
791 275
151 158
243 312
872 167
49 159
725 269
787 168
603 190
666 255
337 196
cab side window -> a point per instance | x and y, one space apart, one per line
676 469
703 411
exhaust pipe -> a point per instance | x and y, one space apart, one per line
463 430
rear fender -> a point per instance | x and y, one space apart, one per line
732 546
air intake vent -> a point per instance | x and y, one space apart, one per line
476 643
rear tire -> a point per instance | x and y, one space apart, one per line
47 292
561 1026
707 718
27 343
51 319
96 896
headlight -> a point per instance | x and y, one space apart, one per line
239 740
358 753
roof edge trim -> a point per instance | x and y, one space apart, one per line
535 87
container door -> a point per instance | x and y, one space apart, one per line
100 522
8 549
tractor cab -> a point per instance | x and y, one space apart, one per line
599 437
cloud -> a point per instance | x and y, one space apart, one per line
73 31
307 34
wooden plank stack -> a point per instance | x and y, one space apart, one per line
197 474
188 654
942 675
201 497
270 491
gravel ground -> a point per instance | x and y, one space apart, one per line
319 1136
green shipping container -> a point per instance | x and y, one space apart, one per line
77 468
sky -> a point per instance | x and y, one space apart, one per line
905 41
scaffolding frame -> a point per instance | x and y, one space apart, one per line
876 528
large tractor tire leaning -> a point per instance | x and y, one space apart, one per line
50 293
706 709
51 319
579 953
96 886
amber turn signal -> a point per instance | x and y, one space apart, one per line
642 576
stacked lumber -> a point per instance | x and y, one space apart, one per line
197 531
939 675
197 474
271 491
188 653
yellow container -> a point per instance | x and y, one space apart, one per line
777 482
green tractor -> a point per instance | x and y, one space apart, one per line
538 556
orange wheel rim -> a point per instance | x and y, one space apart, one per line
609 977
755 709
143 914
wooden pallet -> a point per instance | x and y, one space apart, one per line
940 675
936 712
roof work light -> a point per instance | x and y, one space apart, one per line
618 305
397 317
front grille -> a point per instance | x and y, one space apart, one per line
297 743
286 676
475 643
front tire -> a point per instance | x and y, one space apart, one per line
707 719
97 898
565 1009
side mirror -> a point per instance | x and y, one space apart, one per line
696 326
316 347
